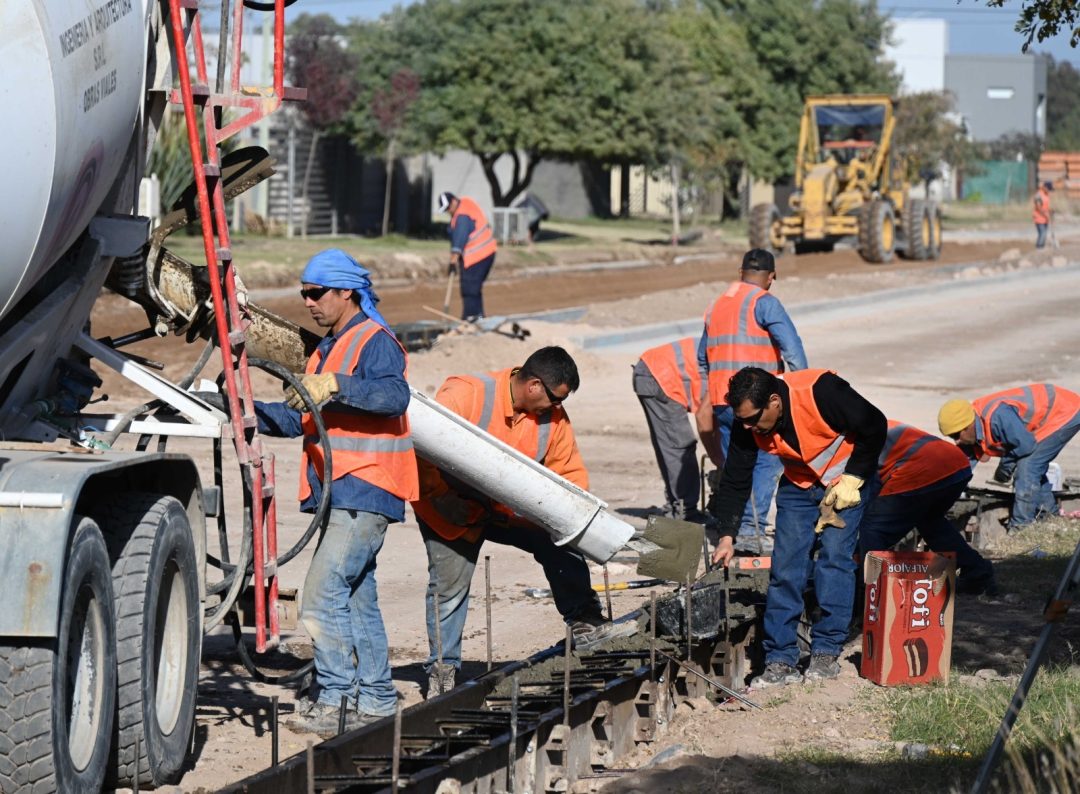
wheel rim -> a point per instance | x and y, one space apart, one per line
85 685
170 648
887 233
776 234
937 230
925 229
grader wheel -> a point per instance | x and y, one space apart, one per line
934 211
765 228
917 230
877 232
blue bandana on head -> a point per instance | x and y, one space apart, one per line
335 268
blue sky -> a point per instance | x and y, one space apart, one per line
974 29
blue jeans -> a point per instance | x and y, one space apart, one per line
450 570
767 471
341 613
472 287
1034 497
1040 235
798 555
889 518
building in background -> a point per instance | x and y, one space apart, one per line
999 94
918 50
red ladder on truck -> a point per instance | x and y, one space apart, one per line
210 108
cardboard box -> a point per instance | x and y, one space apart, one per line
908 617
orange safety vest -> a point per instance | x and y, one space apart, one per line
735 340
674 366
1040 211
912 459
481 242
823 452
377 449
534 444
1043 407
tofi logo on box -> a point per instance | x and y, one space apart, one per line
907 623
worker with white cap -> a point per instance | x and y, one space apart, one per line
1027 427
472 250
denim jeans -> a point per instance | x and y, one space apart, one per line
889 518
341 613
1034 497
798 555
1040 235
472 287
767 471
450 570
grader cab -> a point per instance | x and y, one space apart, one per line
849 186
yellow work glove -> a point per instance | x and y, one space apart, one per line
843 493
828 518
321 388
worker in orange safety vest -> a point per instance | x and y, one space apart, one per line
1041 213
521 407
472 250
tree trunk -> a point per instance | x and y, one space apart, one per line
391 145
624 190
315 135
675 204
518 181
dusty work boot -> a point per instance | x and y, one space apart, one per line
776 674
323 719
822 667
589 631
440 679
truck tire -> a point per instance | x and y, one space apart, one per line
765 228
880 233
935 231
158 637
917 230
58 697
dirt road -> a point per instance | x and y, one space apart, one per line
953 332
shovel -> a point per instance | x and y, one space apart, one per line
449 290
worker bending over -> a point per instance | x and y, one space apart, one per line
669 385
521 407
746 327
921 477
828 438
472 250
1027 427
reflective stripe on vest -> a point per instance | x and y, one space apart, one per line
735 340
823 453
375 449
481 242
674 366
1043 407
543 436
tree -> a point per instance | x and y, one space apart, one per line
927 134
1062 106
529 80
320 63
389 108
1044 19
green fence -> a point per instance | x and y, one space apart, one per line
997 182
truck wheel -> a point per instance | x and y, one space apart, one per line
917 230
158 637
765 228
58 697
880 234
934 252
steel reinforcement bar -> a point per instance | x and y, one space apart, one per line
508 730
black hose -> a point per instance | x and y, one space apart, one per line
255 5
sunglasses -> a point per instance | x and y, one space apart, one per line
553 398
751 420
314 293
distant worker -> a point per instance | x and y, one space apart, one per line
828 439
1041 213
357 375
669 385
921 477
1027 427
746 326
523 408
472 250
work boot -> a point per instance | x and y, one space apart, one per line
822 667
776 674
323 719
590 631
440 679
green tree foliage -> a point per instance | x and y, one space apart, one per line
926 134
1043 19
1062 106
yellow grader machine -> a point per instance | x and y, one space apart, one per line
849 185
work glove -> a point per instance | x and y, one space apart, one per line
1003 474
828 518
321 388
451 268
453 508
843 493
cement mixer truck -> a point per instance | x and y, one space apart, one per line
104 568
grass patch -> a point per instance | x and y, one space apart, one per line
818 771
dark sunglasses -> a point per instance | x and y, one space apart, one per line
314 293
751 420
553 398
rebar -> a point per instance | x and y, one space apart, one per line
487 604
